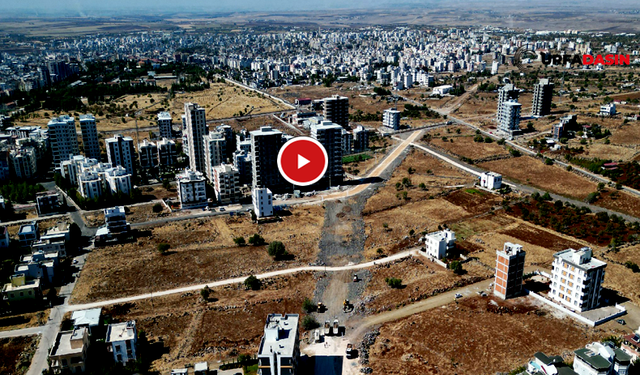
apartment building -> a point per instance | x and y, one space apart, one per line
115 219
506 93
262 202
167 152
19 289
577 279
89 132
330 137
23 163
148 154
601 359
279 349
120 151
226 183
192 191
391 118
336 110
438 243
347 142
360 139
63 138
542 97
215 152
509 271
48 202
121 340
165 124
509 121
265 146
69 351
195 130
608 109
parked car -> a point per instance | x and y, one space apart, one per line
621 321
458 295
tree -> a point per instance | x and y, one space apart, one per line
257 240
252 283
406 181
308 306
309 323
276 249
393 282
166 184
205 293
163 247
422 186
157 208
456 267
239 241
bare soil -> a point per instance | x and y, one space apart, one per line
16 354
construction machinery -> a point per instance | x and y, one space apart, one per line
349 351
327 328
347 306
355 278
336 327
321 307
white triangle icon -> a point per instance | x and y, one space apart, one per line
302 161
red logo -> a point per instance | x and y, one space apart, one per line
302 161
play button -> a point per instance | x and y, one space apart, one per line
302 161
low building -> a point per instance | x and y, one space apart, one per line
391 118
28 234
608 109
48 202
491 180
262 202
541 364
279 349
631 345
201 368
69 351
577 279
192 189
89 319
442 90
437 244
115 219
509 271
21 290
121 340
601 359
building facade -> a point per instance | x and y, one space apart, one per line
336 110
167 152
121 340
192 189
509 271
438 243
63 139
391 118
330 137
196 128
262 202
215 152
226 184
542 97
279 350
491 180
265 146
89 132
165 124
120 151
148 154
577 279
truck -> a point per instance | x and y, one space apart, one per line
336 327
327 328
316 335
349 351
320 307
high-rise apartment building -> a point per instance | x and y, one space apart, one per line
192 189
542 96
510 117
330 136
215 152
509 271
196 129
167 152
336 110
90 136
148 152
165 124
226 183
63 139
265 145
506 93
391 118
120 151
577 279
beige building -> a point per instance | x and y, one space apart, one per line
19 289
69 352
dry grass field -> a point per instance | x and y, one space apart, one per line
224 100
463 338
16 354
191 330
530 171
465 146
26 320
201 250
420 279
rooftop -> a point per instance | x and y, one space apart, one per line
63 345
90 317
265 130
121 331
164 116
118 210
582 258
280 334
442 235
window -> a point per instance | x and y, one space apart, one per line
564 273
565 265
562 288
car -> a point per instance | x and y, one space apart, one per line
621 321
222 209
458 295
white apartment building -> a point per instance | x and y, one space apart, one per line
608 109
167 152
391 118
438 243
330 137
360 139
120 151
63 138
226 183
509 121
90 136
90 184
279 350
262 202
121 340
192 191
215 152
118 180
195 129
577 279
491 180
148 154
165 125
115 219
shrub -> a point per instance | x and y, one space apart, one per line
205 293
257 240
456 267
157 208
163 247
166 184
422 186
239 241
309 323
632 266
548 161
252 283
276 249
501 141
308 306
488 139
515 153
393 282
